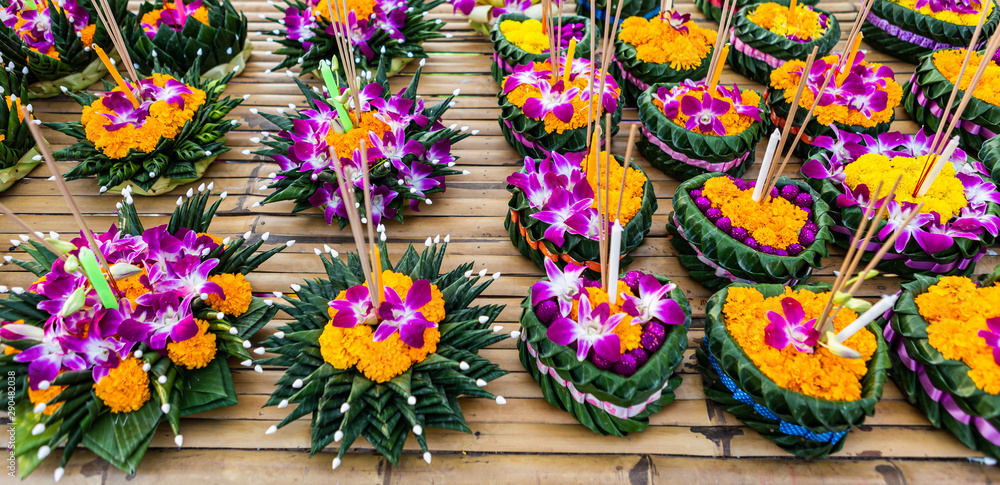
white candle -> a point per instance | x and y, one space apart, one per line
614 261
765 164
949 149
867 317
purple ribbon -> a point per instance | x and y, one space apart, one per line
742 47
910 37
502 63
931 266
936 110
630 78
524 141
680 157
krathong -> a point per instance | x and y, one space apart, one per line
540 113
610 365
54 51
18 155
668 48
177 32
928 91
383 370
959 218
861 101
408 148
942 336
689 129
760 361
393 30
767 35
553 209
145 347
519 40
723 236
483 14
911 29
713 8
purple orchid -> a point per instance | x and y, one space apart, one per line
354 309
405 316
979 191
671 106
565 286
525 75
439 153
705 114
158 317
653 302
591 330
300 26
677 20
418 178
791 327
99 349
173 16
328 197
897 216
48 357
938 236
562 213
170 92
989 222
511 6
123 112
992 337
186 277
394 147
464 6
382 196
551 100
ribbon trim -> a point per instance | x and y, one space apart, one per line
932 266
748 51
540 246
680 157
910 37
937 111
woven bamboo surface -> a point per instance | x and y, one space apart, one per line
526 440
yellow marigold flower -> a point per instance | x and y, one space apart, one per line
949 62
340 347
946 15
635 184
238 294
361 8
431 338
215 239
656 41
946 195
526 35
44 396
775 222
346 143
125 388
803 24
195 352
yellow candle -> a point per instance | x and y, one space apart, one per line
850 58
116 75
791 8
718 68
569 61
377 273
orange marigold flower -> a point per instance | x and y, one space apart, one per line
776 222
363 9
949 62
39 396
656 41
346 143
635 185
125 388
87 34
133 287
238 294
195 352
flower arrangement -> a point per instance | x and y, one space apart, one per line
632 8
359 368
959 218
723 236
862 101
767 35
177 32
18 155
760 361
553 212
610 364
713 8
483 14
53 51
668 48
148 348
390 29
911 29
408 149
519 40
929 88
689 129
167 139
542 113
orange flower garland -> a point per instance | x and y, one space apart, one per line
346 143
777 222
519 95
656 41
949 62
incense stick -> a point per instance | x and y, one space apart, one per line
347 195
792 110
366 188
20 222
632 130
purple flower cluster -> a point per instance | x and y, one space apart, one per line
956 6
388 16
174 15
555 97
36 31
124 113
570 31
593 329
860 90
704 113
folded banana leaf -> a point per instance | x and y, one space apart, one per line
17 147
652 385
507 56
805 426
989 154
713 8
779 112
635 76
889 23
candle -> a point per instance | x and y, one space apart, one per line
615 254
765 164
718 68
569 61
936 169
791 9
867 317
116 75
331 86
850 58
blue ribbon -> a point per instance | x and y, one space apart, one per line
784 427
599 14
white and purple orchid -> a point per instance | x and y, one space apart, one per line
791 328
704 110
404 316
992 337
355 308
172 15
653 302
563 285
592 329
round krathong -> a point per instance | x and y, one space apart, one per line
688 131
713 8
933 243
167 140
928 91
717 244
610 366
18 155
807 426
669 48
408 149
899 30
552 213
541 115
391 30
358 379
54 51
518 40
862 101
764 38
484 14
944 388
151 352
177 32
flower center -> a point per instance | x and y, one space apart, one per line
705 119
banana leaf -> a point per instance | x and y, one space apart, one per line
508 54
122 438
713 8
19 170
732 255
815 414
627 68
904 23
779 111
696 146
656 375
989 154
632 8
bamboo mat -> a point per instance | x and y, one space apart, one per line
526 440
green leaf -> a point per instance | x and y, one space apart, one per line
208 388
122 438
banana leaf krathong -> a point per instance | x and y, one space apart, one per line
380 29
54 51
713 8
909 35
155 161
716 257
757 51
101 371
507 55
806 426
608 397
940 387
349 394
409 149
484 14
177 33
18 155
